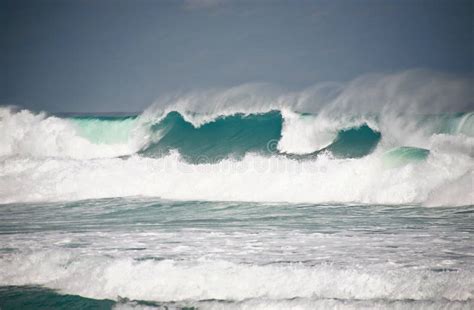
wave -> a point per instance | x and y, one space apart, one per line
27 134
402 155
403 138
17 296
237 158
236 135
233 136
275 132
105 129
38 135
174 280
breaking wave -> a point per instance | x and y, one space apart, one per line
403 138
181 281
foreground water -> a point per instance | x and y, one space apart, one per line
149 253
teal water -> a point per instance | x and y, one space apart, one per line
105 129
236 135
355 142
33 298
226 136
403 155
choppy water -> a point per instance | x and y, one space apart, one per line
148 252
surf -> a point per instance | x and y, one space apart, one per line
255 142
28 134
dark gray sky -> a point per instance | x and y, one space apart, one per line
117 55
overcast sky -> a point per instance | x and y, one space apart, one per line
116 55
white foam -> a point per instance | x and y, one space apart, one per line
102 277
466 124
305 134
254 178
303 304
23 133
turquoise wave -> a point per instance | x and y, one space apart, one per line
236 135
105 129
239 134
355 142
230 136
401 156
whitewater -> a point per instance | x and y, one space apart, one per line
342 195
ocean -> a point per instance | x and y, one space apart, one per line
268 208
